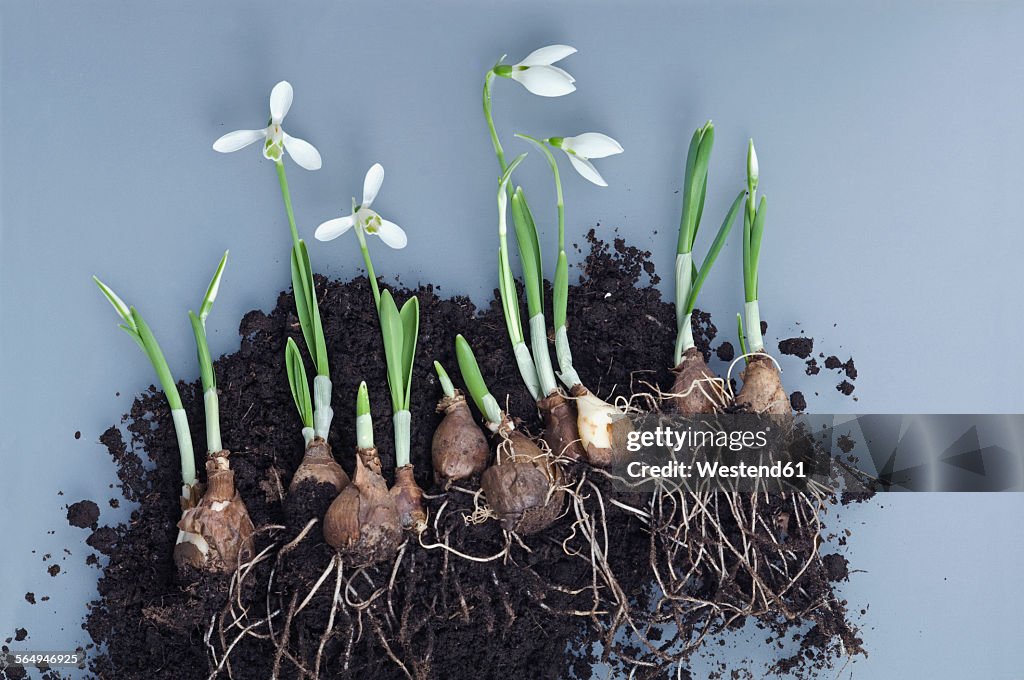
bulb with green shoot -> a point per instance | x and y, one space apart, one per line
762 390
522 486
215 532
534 362
399 332
459 448
316 413
362 523
595 417
696 389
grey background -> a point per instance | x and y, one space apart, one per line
890 143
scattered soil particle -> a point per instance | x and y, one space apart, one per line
725 351
103 539
78 434
845 443
30 597
53 569
833 362
20 634
797 401
83 514
837 567
798 347
812 367
846 387
114 503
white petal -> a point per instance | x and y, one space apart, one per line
546 56
545 81
239 139
392 235
592 145
302 152
280 101
371 184
332 229
587 170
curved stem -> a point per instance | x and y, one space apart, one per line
498 150
369 267
286 194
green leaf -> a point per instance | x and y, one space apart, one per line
471 372
560 293
741 334
362 400
211 291
156 357
308 308
298 382
716 248
509 299
748 266
694 185
529 252
446 383
756 232
206 373
116 302
410 315
393 336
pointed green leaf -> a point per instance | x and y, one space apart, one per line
716 248
471 372
212 289
529 252
410 315
393 336
206 373
756 232
298 382
116 302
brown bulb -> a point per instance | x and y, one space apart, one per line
408 497
362 523
762 388
521 485
560 429
318 465
695 385
459 449
217 532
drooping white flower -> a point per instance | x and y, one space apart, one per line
581 148
365 219
537 74
275 140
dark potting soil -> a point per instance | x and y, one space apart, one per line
444 617
798 347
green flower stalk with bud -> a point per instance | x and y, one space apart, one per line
362 523
762 390
318 464
459 448
399 331
522 486
215 532
594 416
696 388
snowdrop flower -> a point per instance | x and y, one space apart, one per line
581 148
537 74
276 140
365 220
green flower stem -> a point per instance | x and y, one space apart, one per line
286 194
369 266
211 402
498 150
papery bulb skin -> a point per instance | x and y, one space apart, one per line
216 534
459 449
362 523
